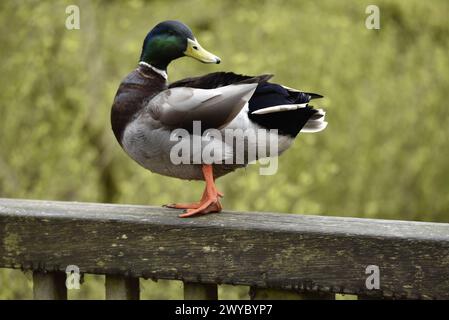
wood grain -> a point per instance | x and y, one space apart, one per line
264 250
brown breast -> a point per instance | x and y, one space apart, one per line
134 92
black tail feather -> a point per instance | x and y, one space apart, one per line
314 95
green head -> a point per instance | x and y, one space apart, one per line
170 40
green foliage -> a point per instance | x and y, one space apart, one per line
384 154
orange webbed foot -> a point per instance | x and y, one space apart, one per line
209 205
210 201
192 205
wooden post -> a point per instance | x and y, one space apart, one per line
198 291
277 294
119 287
49 286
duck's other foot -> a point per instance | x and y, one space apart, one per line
209 205
209 201
192 205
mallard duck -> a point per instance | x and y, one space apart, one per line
147 109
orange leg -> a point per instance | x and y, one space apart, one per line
209 201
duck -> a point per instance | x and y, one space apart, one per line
151 117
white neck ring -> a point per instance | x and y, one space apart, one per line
163 73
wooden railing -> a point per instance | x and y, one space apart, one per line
307 257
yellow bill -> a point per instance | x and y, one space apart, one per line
195 50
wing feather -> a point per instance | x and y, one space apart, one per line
178 107
219 79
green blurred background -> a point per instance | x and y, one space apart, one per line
384 154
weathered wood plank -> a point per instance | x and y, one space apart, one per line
120 287
279 294
199 291
281 251
49 286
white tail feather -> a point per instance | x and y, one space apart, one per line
291 89
280 108
316 125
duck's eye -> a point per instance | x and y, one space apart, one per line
195 47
